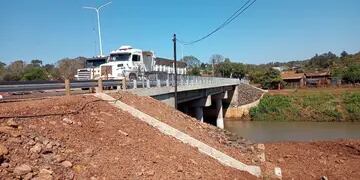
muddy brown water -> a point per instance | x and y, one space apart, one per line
270 131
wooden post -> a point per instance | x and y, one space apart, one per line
67 87
100 86
123 84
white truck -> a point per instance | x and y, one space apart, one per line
127 62
92 69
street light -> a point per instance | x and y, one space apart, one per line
98 22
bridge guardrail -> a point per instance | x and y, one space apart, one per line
20 86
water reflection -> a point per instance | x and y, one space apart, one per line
266 131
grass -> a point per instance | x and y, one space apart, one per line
309 106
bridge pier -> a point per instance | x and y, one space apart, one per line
195 108
199 113
220 116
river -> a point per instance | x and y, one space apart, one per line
273 131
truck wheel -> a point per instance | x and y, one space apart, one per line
132 76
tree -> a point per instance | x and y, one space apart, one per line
194 71
352 74
15 71
215 60
271 79
2 69
35 73
191 61
52 71
239 70
36 63
68 67
321 61
224 68
344 54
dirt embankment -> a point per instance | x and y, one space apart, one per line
313 160
235 146
83 138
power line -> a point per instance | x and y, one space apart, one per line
235 15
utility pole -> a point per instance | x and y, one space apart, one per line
98 23
175 67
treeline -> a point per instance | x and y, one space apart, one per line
345 67
20 70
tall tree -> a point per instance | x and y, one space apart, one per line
191 61
68 67
215 60
15 71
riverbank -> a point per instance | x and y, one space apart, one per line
320 104
338 159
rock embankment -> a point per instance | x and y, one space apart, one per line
248 94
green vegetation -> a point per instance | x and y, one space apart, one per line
345 67
319 106
352 105
271 79
21 71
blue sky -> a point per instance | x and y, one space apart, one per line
271 30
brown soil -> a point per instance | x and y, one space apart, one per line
313 160
81 138
222 140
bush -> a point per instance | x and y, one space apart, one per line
352 74
278 108
35 73
352 105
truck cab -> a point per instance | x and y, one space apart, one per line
92 69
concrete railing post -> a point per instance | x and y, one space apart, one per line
181 81
67 87
123 84
100 86
134 84
167 83
147 83
158 83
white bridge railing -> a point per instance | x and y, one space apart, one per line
181 81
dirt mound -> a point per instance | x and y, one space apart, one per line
81 137
312 160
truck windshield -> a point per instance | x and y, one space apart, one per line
95 63
120 57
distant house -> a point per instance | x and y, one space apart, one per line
167 65
293 79
318 78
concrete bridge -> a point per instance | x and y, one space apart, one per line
201 97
